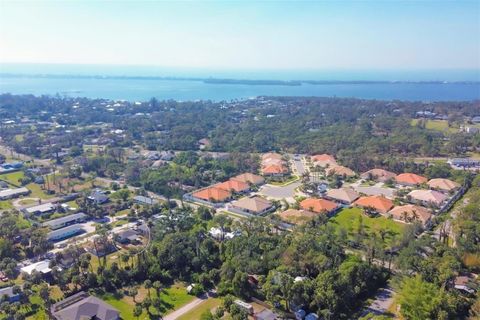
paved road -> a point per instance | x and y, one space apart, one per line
186 308
280 192
381 304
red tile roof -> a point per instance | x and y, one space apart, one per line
411 212
249 178
235 185
378 203
378 174
318 205
410 179
212 194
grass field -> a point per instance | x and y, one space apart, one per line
5 205
37 192
173 298
437 125
12 177
349 220
195 314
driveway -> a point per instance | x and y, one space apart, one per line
383 301
186 308
280 192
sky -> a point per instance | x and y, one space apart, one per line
268 35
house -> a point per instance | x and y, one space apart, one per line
343 195
380 175
212 194
274 170
476 119
411 213
265 314
100 248
13 193
271 155
218 234
379 204
319 205
98 196
466 283
323 160
127 236
234 186
410 179
245 306
42 267
3 185
82 306
377 191
464 163
250 178
443 184
428 197
8 294
65 221
41 209
297 217
146 201
340 171
254 205
204 144
64 233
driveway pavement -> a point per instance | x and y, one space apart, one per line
280 192
383 301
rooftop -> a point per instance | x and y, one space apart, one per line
318 205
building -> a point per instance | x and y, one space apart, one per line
245 306
380 175
411 213
13 193
428 197
250 178
41 209
127 236
343 195
297 217
376 203
323 160
443 184
377 191
273 165
64 233
98 196
65 221
145 201
339 171
212 194
234 186
464 163
82 306
9 295
410 179
204 144
42 267
254 205
319 205
466 283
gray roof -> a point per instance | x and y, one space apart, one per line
83 306
145 200
55 233
8 291
64 220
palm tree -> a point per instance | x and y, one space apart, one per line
148 286
158 286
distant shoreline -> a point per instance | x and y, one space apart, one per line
229 81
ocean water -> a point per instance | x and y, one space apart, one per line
182 90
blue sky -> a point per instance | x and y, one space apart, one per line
244 35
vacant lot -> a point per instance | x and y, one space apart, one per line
350 219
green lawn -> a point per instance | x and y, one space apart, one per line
196 312
437 125
5 205
12 177
173 298
37 192
349 220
